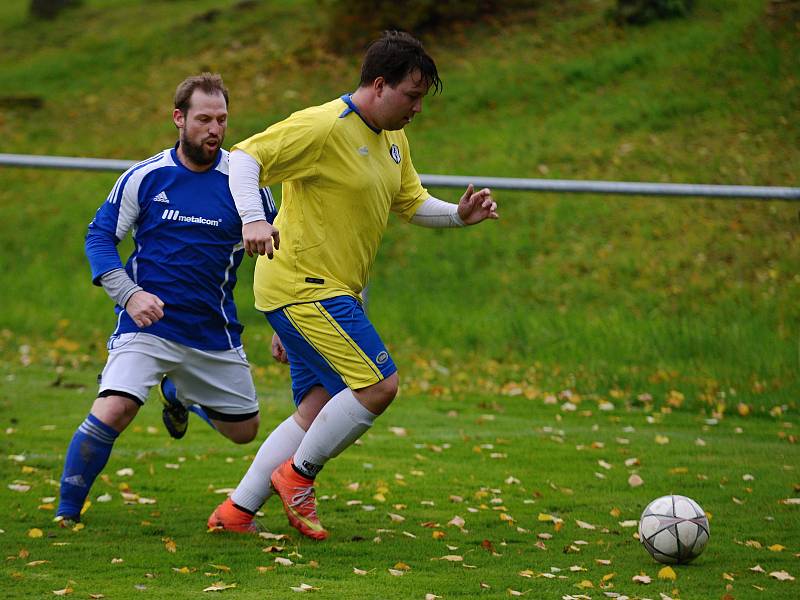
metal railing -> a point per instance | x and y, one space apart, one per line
505 183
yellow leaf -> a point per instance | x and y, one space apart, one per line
64 592
182 570
546 517
776 548
36 563
401 566
608 576
219 586
438 535
585 584
667 573
35 533
169 545
615 512
452 558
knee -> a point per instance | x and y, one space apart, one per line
115 411
377 398
244 433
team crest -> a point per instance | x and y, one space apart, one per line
382 357
394 151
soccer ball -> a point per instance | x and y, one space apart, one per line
674 529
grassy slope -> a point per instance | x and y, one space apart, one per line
618 286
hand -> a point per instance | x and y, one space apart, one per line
475 207
144 308
259 237
278 351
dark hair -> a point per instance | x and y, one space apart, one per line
210 83
394 56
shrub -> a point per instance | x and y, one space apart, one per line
640 12
353 23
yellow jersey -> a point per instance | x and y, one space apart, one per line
340 178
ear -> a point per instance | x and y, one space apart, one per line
378 85
177 118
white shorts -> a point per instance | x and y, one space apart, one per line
219 381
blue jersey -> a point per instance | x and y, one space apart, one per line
187 238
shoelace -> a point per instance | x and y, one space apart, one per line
304 498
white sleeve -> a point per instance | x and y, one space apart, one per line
437 213
243 180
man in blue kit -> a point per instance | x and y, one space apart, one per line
176 315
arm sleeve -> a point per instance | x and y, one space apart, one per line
243 181
119 286
437 213
110 225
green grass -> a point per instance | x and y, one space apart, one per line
469 444
608 297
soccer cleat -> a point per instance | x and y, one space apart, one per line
174 414
299 502
229 517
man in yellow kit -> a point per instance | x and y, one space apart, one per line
344 166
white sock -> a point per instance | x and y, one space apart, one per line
254 488
340 423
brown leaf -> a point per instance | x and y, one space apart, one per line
169 545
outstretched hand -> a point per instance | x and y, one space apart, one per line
260 237
475 207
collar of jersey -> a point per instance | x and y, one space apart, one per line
177 161
351 107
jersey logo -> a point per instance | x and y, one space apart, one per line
161 197
363 151
175 215
382 357
394 152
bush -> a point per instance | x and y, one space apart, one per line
354 23
640 12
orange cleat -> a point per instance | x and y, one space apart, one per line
299 502
229 517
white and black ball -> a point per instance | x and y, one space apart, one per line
674 529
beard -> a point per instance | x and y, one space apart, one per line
198 153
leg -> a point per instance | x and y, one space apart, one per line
89 450
335 341
218 386
237 512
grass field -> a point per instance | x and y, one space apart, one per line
682 313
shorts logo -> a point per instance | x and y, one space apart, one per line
394 152
382 357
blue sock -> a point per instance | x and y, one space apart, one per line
87 454
198 410
171 394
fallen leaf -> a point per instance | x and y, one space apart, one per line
776 548
182 570
220 567
304 587
781 576
667 573
431 596
169 545
584 524
641 578
35 533
219 586
457 522
36 563
758 569
64 592
126 472
18 487
359 571
452 558
635 481
396 572
283 561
